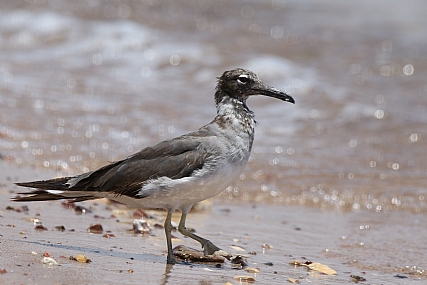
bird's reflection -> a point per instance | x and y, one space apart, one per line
167 274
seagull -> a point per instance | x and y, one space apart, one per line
177 173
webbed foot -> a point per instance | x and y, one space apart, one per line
209 248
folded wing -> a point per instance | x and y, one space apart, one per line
175 159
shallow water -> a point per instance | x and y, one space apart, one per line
84 83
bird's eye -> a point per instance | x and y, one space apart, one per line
243 79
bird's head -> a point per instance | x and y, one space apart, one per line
241 83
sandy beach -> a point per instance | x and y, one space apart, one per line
347 242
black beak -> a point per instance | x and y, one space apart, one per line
264 89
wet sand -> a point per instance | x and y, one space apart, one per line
376 246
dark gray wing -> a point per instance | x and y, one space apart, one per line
176 158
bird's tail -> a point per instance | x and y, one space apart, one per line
57 184
53 189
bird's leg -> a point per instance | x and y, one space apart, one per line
208 247
168 229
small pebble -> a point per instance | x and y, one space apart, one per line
82 210
40 228
80 258
60 228
49 261
140 213
95 229
242 278
237 248
252 270
295 262
357 278
141 226
400 276
68 205
293 280
239 260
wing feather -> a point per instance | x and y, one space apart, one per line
175 159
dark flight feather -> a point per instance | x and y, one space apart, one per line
175 159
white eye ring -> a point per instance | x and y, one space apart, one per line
243 79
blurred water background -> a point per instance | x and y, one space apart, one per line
87 82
